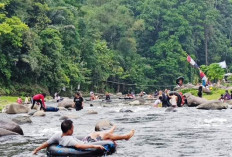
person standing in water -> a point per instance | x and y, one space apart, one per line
107 96
173 100
78 101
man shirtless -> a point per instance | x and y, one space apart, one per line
108 135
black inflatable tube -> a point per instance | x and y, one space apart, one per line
179 101
57 150
51 109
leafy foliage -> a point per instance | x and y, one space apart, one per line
136 44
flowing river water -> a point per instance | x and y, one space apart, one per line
187 132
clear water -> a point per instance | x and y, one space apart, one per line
187 132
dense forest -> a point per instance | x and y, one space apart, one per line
109 45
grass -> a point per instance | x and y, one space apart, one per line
214 95
4 100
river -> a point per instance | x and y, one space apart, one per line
187 132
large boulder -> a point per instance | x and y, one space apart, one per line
4 132
62 109
16 108
32 112
11 126
193 100
35 107
213 105
39 114
135 103
206 90
103 125
22 119
66 103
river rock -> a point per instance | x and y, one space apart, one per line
119 94
193 100
170 109
22 119
92 112
206 90
39 114
213 105
70 116
66 103
4 132
62 109
103 125
11 126
135 103
125 110
16 108
32 112
35 107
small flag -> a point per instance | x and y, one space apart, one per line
192 62
222 64
203 78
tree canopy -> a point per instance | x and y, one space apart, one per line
111 45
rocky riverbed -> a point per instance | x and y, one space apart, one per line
186 132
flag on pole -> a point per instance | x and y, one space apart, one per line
203 78
192 62
222 64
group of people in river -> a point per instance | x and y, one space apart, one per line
165 99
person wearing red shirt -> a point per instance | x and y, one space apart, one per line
40 99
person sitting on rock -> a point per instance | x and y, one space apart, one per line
221 98
26 100
39 98
67 140
19 100
227 96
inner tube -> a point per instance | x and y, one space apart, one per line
51 109
57 150
179 101
125 98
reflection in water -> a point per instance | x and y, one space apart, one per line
187 132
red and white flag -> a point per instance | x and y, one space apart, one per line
192 62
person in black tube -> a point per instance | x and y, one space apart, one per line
67 140
78 101
200 92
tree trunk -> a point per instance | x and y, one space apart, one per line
118 90
206 45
